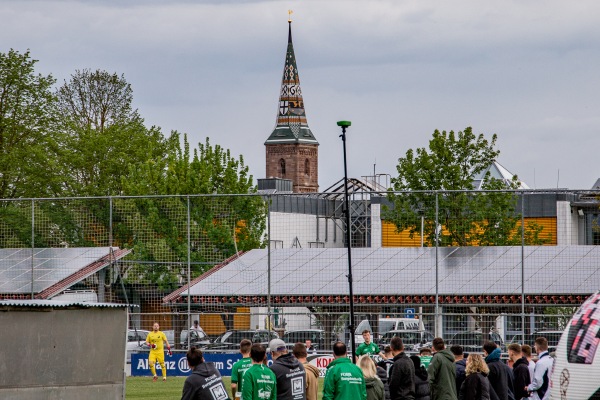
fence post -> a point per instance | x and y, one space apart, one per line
268 262
189 271
523 266
438 330
110 222
32 243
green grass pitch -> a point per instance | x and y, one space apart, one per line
143 388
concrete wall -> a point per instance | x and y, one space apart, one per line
62 353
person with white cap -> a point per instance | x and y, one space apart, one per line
290 373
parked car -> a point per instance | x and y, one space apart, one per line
197 338
472 341
412 340
136 341
317 336
230 340
170 334
552 336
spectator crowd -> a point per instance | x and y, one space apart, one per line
435 374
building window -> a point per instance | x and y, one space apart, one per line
282 167
307 167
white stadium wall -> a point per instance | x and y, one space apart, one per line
567 225
304 230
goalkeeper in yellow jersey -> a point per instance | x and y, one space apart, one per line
155 341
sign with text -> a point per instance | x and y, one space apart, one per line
177 364
321 362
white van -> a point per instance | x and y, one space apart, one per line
386 325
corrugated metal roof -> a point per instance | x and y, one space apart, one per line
57 304
52 269
407 271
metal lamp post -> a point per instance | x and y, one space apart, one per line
344 125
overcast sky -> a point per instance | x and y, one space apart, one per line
526 70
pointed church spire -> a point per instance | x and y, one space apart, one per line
290 27
291 126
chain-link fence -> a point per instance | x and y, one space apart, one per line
464 265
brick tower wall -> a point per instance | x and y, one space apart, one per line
295 156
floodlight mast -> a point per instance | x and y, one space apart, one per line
344 125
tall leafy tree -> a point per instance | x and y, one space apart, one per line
220 225
449 165
27 144
102 133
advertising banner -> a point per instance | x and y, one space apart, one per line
320 361
177 364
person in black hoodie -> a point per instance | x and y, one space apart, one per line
500 376
205 382
402 375
421 381
520 371
476 385
461 364
290 373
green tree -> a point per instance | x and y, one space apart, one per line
102 133
465 218
220 225
27 144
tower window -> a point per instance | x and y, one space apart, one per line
307 167
282 166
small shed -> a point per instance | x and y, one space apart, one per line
62 350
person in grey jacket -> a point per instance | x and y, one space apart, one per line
402 374
205 381
442 372
289 372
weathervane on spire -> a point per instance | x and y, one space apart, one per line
290 12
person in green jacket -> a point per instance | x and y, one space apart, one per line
343 380
442 372
374 385
369 348
259 381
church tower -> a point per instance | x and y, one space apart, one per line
292 150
